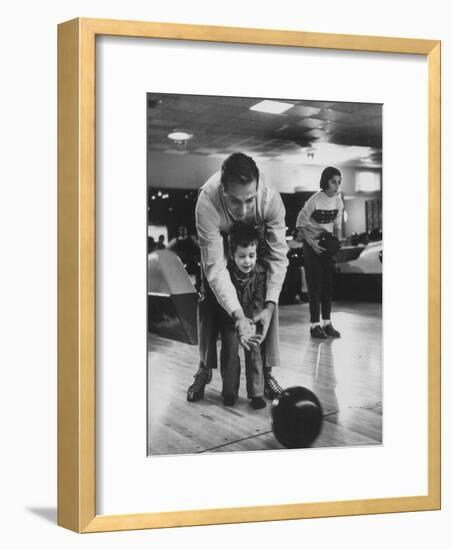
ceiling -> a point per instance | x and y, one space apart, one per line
311 131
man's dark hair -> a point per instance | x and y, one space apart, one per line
327 174
239 168
242 234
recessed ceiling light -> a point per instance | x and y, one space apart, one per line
180 136
269 106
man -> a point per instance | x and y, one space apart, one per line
238 194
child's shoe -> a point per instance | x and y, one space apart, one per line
258 403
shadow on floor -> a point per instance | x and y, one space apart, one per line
49 514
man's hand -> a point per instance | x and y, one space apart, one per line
243 328
264 318
255 342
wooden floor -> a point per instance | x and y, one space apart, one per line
345 374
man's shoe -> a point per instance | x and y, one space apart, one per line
331 331
196 391
271 388
318 332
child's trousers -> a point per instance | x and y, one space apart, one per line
230 367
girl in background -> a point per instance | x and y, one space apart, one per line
321 218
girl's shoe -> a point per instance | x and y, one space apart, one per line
318 332
331 331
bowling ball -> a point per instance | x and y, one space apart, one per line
297 417
330 243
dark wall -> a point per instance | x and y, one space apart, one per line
176 207
293 203
172 208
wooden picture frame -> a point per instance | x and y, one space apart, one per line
77 274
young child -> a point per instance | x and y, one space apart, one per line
321 215
249 280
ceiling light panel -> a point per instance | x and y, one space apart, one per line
270 106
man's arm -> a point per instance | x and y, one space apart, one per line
275 256
276 246
213 257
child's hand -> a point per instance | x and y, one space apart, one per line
245 329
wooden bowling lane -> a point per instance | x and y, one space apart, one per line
363 422
332 435
345 374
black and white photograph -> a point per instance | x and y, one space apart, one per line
264 274
204 341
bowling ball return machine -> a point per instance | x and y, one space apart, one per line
172 298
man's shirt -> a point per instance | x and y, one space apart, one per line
214 219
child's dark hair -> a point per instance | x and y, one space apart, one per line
327 174
242 234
